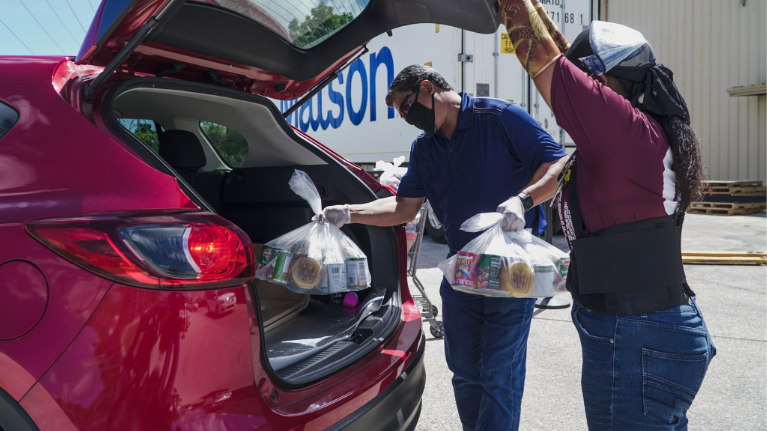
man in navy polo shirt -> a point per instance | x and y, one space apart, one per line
475 155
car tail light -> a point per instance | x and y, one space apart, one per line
152 249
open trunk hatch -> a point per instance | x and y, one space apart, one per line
277 48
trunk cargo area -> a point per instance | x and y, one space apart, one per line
304 337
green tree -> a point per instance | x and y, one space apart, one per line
320 23
144 130
231 145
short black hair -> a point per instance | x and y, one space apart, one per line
412 75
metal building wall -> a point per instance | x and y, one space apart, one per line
711 45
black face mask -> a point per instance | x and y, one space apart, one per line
422 117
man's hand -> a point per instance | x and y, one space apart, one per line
337 214
513 214
389 211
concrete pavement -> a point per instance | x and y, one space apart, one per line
732 298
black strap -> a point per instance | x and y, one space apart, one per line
628 268
575 205
630 261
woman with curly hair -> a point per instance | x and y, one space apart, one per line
622 200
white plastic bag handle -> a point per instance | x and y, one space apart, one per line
386 166
481 221
303 186
484 221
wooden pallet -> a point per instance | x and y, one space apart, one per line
725 257
726 208
736 188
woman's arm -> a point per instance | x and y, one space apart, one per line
543 184
598 119
537 40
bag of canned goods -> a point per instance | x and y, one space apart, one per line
506 264
317 258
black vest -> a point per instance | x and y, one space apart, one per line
630 268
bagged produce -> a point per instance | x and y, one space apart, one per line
316 258
506 264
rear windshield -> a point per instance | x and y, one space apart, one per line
305 23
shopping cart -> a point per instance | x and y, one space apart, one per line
429 311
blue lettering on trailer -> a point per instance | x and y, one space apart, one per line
310 117
338 99
357 116
384 57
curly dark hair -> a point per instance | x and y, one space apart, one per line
688 163
412 75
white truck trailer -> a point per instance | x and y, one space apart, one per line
350 115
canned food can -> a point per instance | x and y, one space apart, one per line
545 280
488 272
464 268
281 267
335 277
267 254
357 272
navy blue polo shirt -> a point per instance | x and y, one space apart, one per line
492 155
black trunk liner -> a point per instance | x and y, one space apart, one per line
318 327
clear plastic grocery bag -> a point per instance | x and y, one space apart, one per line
316 258
506 264
391 173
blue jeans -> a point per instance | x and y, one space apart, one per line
642 372
486 349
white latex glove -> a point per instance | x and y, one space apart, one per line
336 214
513 214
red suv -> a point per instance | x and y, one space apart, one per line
136 180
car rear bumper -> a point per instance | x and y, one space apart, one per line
395 409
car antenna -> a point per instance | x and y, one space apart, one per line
165 14
324 83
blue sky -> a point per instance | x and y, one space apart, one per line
44 27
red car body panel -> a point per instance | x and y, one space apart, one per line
42 177
144 361
156 57
100 176
108 356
